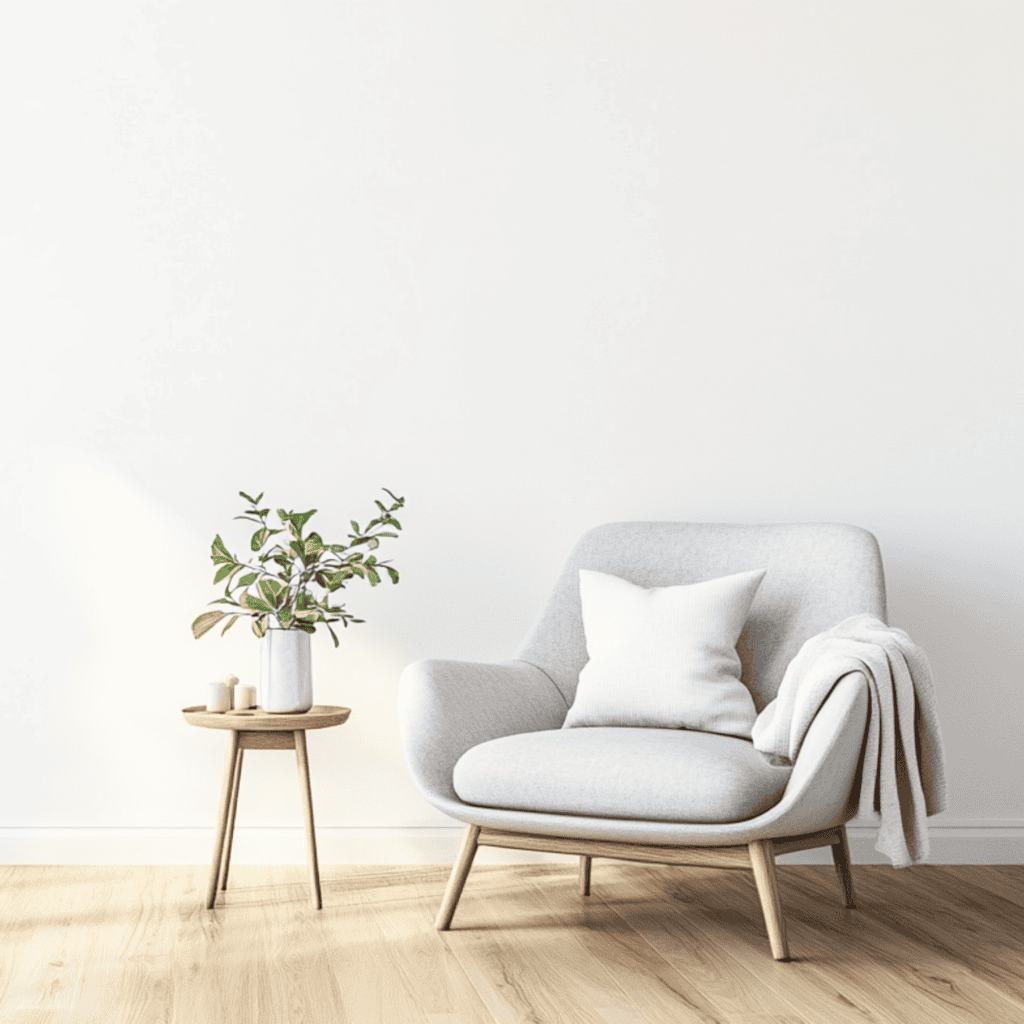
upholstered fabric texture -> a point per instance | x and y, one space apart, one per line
664 657
818 574
671 775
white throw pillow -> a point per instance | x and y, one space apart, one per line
664 657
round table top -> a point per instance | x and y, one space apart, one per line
320 716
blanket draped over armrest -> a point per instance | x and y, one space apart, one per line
903 778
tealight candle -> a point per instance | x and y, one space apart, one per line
218 697
245 697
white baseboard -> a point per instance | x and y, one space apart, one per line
965 841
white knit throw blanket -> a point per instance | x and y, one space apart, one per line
904 765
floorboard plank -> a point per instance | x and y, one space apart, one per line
403 908
662 994
736 993
1003 880
959 922
525 964
652 945
854 949
700 899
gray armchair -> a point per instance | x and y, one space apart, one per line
664 796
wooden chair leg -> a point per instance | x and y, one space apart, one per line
841 859
232 811
460 871
585 875
762 860
222 818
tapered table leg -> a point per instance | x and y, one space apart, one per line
302 760
222 818
232 810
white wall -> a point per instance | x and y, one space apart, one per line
535 267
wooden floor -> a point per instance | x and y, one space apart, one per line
942 945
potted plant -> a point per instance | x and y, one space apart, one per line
287 591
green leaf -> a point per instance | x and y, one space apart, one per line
255 603
226 570
219 547
284 616
380 505
202 624
305 628
355 527
252 501
271 591
383 534
249 577
373 576
314 543
259 625
358 570
393 573
334 636
229 624
259 538
296 519
392 521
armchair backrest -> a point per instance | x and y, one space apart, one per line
818 575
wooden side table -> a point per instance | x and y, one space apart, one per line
258 730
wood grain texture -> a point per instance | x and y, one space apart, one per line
320 716
841 860
457 881
717 856
266 740
306 792
586 863
113 945
232 812
227 786
932 987
762 860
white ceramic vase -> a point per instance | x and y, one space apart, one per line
286 672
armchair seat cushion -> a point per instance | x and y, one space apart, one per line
677 775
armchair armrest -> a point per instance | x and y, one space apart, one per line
446 707
822 789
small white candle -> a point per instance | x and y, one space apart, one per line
245 697
218 697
